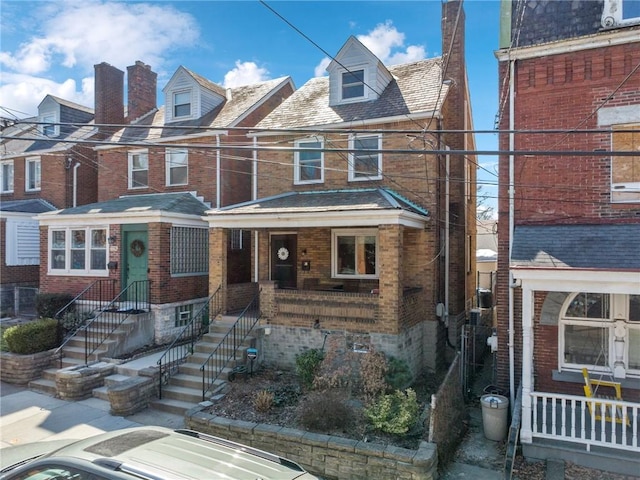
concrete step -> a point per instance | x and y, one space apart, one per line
168 405
184 394
101 393
115 379
188 381
44 386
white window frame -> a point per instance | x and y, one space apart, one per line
300 163
6 176
175 105
37 182
354 176
616 326
356 233
132 170
625 192
345 84
613 14
52 130
170 164
88 249
22 245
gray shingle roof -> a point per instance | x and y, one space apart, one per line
325 201
243 99
416 88
610 247
36 205
182 203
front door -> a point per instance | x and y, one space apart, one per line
136 257
283 260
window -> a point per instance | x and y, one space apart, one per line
189 251
620 12
365 164
353 84
625 171
590 337
309 164
32 174
355 253
183 315
78 250
138 169
181 104
6 177
177 165
237 239
53 471
48 125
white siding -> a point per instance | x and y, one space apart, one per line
22 242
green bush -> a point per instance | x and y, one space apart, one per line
48 304
398 374
394 413
33 337
307 365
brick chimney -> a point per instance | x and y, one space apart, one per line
141 90
109 94
453 53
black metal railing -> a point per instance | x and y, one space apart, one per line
74 315
184 343
132 300
227 349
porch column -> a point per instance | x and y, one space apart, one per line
390 258
527 363
218 240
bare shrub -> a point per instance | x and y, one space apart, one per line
326 411
263 401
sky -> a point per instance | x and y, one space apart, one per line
51 47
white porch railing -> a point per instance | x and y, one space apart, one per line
569 418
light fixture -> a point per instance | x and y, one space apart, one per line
112 239
304 252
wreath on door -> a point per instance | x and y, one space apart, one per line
137 248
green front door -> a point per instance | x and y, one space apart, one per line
137 264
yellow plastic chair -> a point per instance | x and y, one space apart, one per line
595 408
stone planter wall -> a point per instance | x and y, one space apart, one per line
21 369
327 456
134 395
77 383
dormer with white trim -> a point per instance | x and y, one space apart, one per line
189 96
356 75
49 117
53 111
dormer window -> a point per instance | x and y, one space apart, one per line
353 84
616 13
48 125
182 104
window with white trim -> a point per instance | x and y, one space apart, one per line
601 332
48 124
182 104
353 84
189 251
365 163
33 174
617 13
138 169
6 176
78 251
177 166
237 239
355 253
625 171
309 164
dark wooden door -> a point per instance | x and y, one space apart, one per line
283 260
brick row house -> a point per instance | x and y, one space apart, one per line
42 168
569 222
360 222
338 202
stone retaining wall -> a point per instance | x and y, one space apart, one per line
77 383
21 369
328 456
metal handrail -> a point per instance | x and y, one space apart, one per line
135 296
184 343
94 296
213 366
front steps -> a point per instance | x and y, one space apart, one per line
183 391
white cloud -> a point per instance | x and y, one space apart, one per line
384 41
77 35
321 68
245 73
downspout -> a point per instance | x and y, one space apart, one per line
75 184
218 174
254 196
511 229
446 246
